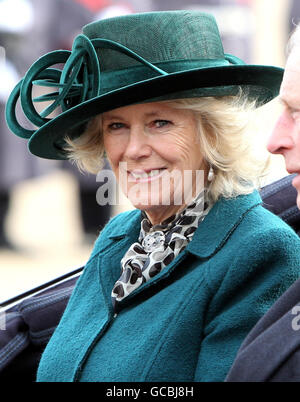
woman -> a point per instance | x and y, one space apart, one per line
201 260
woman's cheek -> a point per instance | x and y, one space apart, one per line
180 153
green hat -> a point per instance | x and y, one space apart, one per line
132 59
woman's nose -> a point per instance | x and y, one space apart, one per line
138 145
281 138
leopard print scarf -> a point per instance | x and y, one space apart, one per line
157 246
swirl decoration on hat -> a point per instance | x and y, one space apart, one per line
79 81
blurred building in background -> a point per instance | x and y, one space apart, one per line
15 163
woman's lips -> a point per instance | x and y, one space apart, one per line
145 176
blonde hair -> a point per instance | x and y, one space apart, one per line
225 141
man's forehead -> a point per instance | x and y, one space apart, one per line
290 87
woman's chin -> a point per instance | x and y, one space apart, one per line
146 206
156 201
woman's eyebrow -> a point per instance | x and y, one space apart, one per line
152 114
111 117
158 113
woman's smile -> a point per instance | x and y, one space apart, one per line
145 176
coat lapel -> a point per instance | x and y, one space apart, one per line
220 223
109 258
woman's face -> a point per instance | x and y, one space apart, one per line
154 153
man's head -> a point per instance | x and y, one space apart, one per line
285 139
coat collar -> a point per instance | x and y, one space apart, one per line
130 228
212 234
220 223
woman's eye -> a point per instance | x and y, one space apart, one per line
161 123
115 126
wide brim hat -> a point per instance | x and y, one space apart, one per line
128 60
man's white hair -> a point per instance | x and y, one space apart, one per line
294 39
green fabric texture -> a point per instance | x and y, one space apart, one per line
188 322
126 60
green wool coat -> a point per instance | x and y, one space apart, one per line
186 323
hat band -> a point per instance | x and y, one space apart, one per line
81 78
131 75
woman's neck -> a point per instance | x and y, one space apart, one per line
160 214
